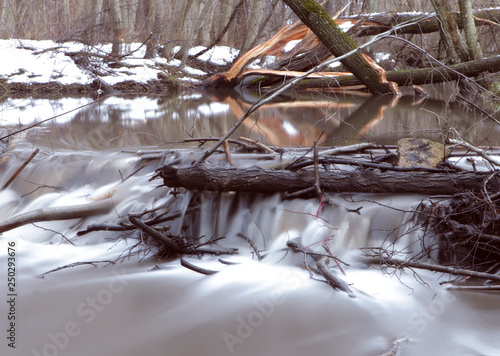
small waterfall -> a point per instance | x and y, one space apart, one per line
137 303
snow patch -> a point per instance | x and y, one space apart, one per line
291 45
346 26
28 62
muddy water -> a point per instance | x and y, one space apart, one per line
137 304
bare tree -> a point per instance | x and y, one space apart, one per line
475 51
455 47
116 26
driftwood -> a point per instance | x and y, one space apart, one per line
465 227
58 213
419 76
399 263
321 265
16 173
193 267
259 180
123 226
395 347
373 24
308 51
173 244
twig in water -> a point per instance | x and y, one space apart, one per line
395 347
251 243
198 269
493 160
58 213
348 149
258 144
134 172
161 218
317 187
156 235
55 232
16 173
331 277
397 263
228 152
76 264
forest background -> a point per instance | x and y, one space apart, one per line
240 24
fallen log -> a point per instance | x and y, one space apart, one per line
374 24
254 179
297 49
420 76
339 43
398 263
58 213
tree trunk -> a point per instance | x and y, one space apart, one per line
373 24
116 25
3 19
339 43
94 9
455 48
65 18
429 75
470 31
258 180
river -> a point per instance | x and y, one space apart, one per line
131 302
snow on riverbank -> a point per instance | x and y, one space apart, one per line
47 67
28 62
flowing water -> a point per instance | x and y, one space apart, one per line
138 304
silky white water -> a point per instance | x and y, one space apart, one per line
130 302
144 306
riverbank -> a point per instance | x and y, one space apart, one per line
70 68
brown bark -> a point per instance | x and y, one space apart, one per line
117 28
258 180
397 263
402 77
339 43
455 48
58 213
374 24
470 31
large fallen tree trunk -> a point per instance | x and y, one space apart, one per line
259 180
373 24
297 49
418 76
339 43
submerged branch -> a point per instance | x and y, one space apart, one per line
195 268
398 263
19 170
170 244
321 264
58 213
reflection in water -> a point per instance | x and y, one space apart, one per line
294 119
150 307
